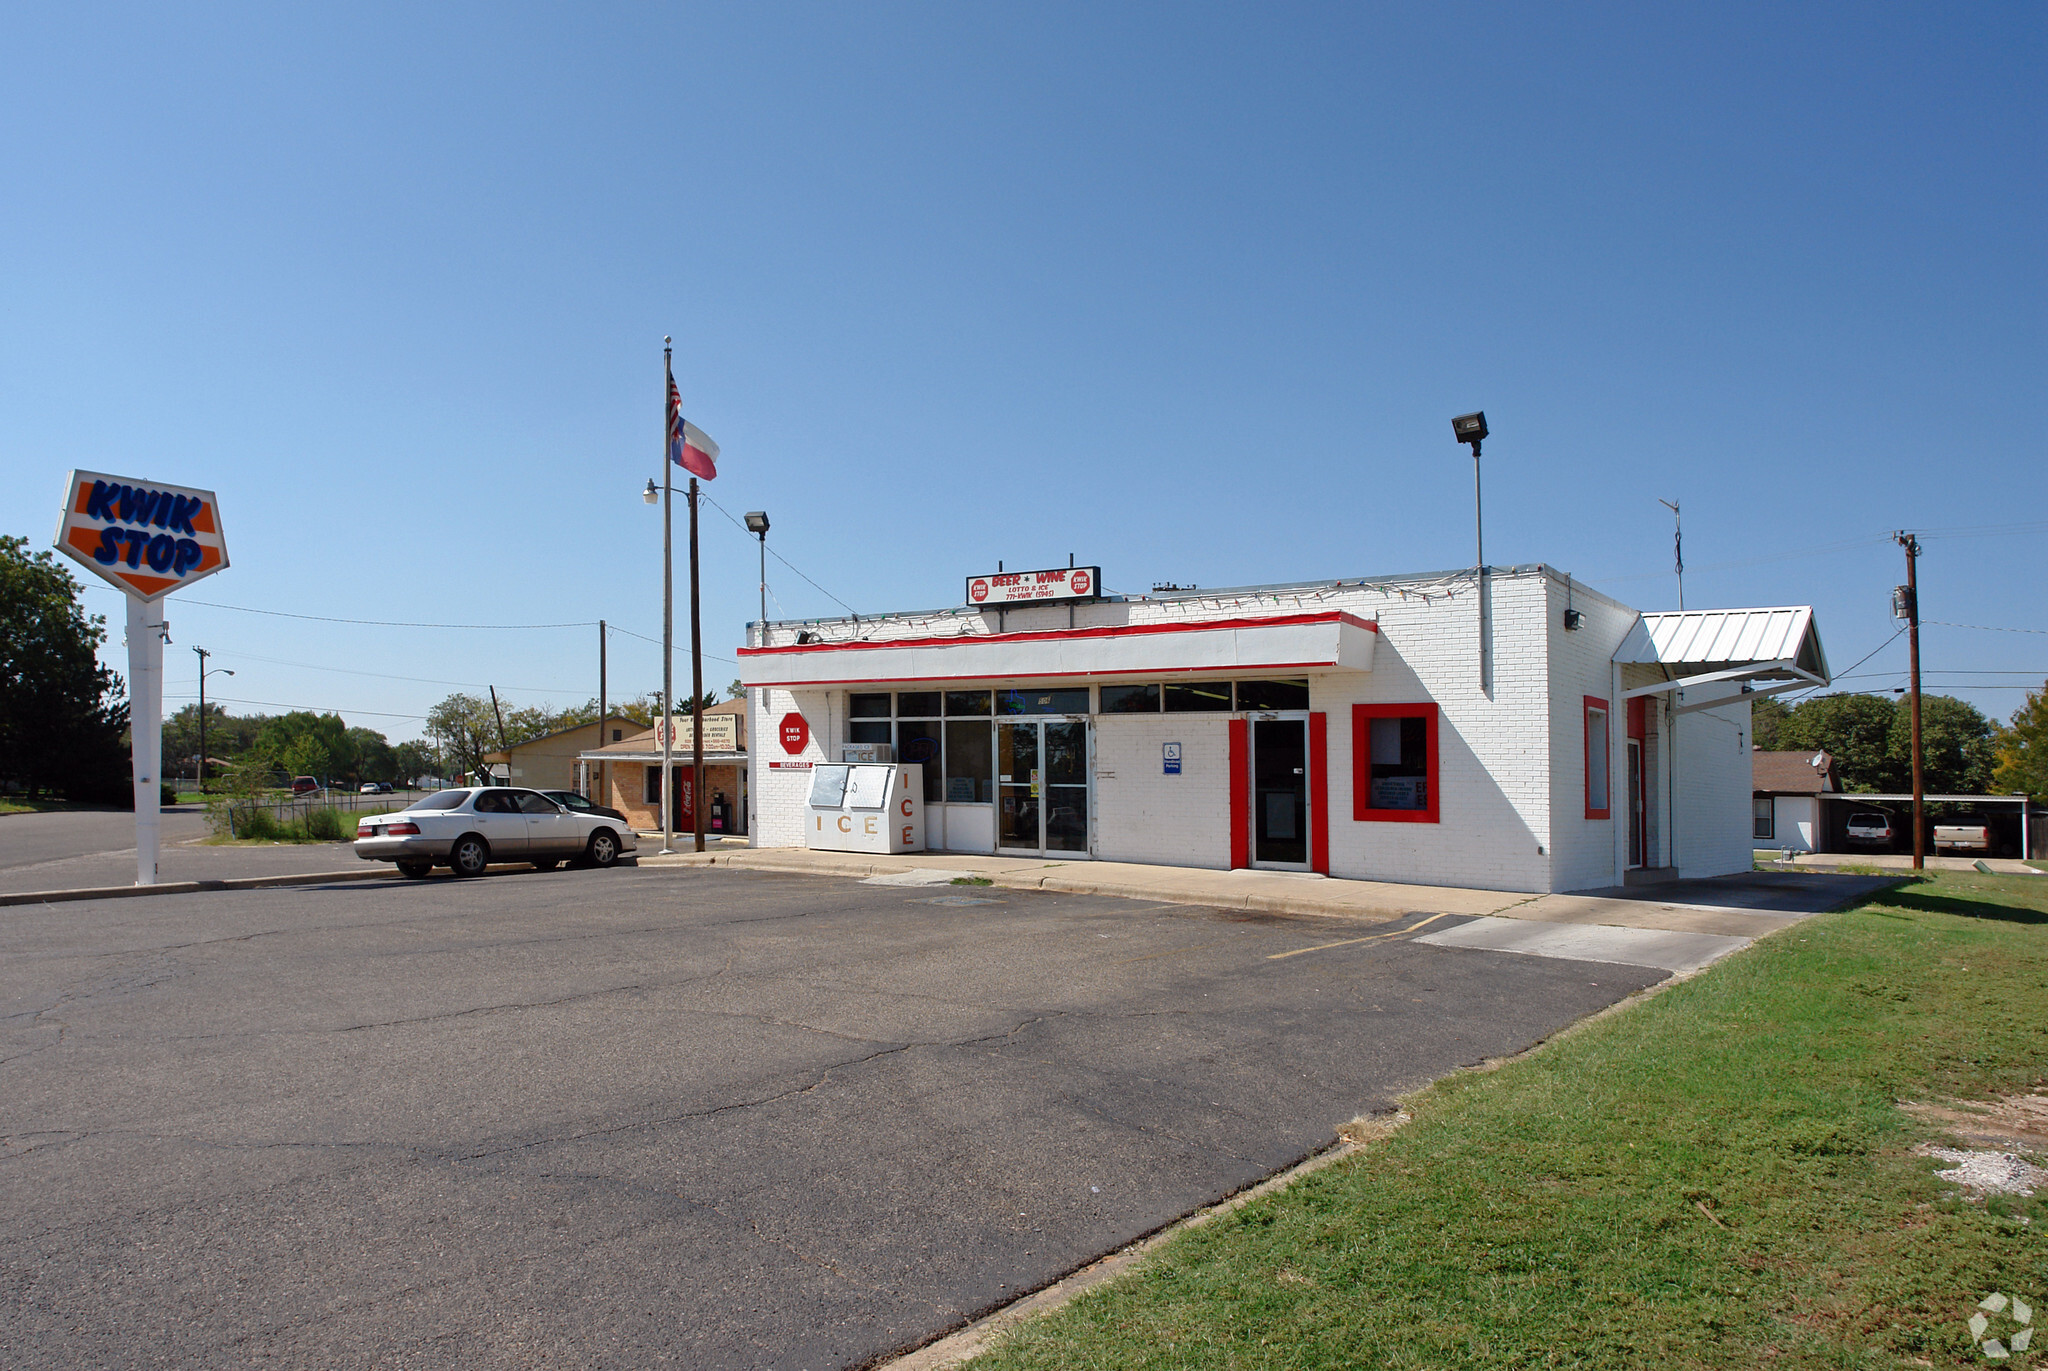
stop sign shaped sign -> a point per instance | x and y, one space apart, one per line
796 734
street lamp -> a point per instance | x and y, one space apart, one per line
1471 428
757 524
653 496
204 672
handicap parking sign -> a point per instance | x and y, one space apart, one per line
1171 753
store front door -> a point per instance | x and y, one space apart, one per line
1042 787
1280 818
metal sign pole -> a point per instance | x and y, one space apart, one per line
146 730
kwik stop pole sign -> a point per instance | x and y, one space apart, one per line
148 539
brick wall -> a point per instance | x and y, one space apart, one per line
779 796
1145 815
1586 852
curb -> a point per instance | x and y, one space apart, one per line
129 892
381 870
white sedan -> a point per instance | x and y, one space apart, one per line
468 829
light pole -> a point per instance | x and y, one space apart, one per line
203 674
664 727
1471 428
757 524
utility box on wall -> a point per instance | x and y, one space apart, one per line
866 807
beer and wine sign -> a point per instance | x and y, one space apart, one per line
1035 587
146 539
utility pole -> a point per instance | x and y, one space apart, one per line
1677 549
501 736
1912 546
603 711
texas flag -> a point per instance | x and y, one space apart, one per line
688 445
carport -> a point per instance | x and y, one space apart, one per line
2011 819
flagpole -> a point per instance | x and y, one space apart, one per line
668 602
696 684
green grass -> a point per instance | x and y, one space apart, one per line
1716 1177
972 880
317 826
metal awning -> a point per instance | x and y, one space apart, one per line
1765 651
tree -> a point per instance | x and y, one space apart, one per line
227 736
1855 730
62 715
1768 719
374 760
2023 749
412 760
1956 749
737 690
303 743
464 728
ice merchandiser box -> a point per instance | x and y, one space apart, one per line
866 807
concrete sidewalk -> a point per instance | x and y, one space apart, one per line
1745 906
1273 892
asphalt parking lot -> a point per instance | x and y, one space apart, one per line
696 1118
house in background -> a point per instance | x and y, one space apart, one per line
550 762
1785 801
626 773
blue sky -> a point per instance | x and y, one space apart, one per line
1191 292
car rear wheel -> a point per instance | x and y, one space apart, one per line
415 871
603 849
469 856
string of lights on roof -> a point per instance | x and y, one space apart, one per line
972 621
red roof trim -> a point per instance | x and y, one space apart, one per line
1331 616
1165 673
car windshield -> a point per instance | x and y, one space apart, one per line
445 799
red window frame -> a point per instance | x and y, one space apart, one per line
1591 703
1362 808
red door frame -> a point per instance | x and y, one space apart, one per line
1240 794
1638 842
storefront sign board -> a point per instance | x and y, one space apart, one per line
1031 587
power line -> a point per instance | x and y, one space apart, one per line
1858 662
713 656
371 623
1985 628
782 559
310 709
388 676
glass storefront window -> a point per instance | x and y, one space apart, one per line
1253 695
1197 697
917 740
918 704
970 762
1130 699
868 730
1042 701
967 704
869 707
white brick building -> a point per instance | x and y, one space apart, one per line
1383 729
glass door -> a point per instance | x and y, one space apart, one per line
1042 786
1280 792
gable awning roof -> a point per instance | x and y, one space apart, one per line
1776 648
